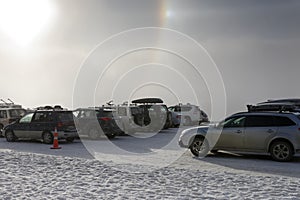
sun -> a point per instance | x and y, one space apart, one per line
23 20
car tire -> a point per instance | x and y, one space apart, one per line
111 136
199 147
10 136
70 140
93 134
47 138
281 151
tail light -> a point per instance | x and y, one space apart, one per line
106 119
178 116
59 124
298 129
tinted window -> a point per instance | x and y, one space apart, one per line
259 121
65 116
284 121
42 117
3 114
234 122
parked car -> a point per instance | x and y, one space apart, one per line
130 118
190 114
155 114
10 113
176 118
97 122
277 133
41 124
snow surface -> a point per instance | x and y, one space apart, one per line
31 170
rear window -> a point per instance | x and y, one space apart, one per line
65 116
186 108
107 114
284 121
16 112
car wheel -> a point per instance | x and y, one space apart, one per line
70 139
93 134
281 151
47 138
111 136
10 136
199 147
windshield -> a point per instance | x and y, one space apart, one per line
17 112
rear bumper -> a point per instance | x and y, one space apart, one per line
67 134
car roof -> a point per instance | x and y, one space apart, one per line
266 113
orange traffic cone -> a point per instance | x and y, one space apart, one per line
55 140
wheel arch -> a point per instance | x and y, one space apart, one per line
281 139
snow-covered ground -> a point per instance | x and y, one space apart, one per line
34 171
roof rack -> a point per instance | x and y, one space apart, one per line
11 104
276 107
56 107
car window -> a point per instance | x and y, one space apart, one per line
135 110
16 112
42 117
259 121
186 108
284 121
76 113
203 114
3 114
26 118
122 112
234 122
65 116
172 108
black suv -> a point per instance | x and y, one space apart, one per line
41 124
88 120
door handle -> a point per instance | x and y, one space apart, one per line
238 131
270 131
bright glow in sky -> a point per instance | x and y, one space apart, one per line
23 20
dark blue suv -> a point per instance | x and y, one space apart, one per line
41 124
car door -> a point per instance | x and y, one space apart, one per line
258 131
232 135
41 122
21 128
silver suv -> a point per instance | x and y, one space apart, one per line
189 114
9 114
277 133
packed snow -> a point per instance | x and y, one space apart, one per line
31 170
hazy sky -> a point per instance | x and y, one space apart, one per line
255 45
